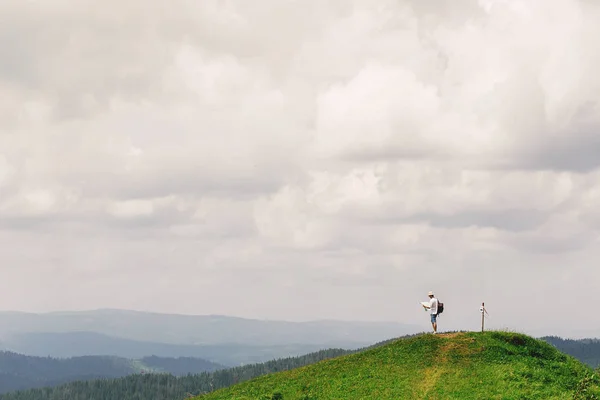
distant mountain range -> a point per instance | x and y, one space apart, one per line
229 341
201 329
18 372
76 344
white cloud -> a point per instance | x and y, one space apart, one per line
7 172
356 154
132 208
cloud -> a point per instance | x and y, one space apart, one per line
307 159
509 220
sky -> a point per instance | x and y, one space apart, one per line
303 160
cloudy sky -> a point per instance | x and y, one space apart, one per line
303 159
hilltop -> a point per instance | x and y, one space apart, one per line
490 365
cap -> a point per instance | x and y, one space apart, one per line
430 294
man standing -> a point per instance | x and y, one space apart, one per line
433 308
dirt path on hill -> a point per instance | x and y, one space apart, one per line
452 342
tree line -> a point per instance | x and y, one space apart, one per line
167 386
20 372
585 350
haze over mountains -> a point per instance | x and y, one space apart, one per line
76 344
200 329
226 340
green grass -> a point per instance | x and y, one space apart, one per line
490 365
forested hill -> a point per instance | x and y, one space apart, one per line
585 350
19 372
165 386
179 366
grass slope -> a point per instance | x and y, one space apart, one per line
490 365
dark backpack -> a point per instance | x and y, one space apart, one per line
440 308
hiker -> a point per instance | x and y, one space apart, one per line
433 307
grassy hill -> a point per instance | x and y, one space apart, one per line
491 365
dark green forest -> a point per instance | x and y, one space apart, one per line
166 386
181 365
19 372
585 350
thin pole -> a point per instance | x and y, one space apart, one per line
482 316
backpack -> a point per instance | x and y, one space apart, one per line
440 308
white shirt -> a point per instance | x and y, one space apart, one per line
433 303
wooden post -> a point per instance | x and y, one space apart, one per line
482 315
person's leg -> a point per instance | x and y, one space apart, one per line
434 322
